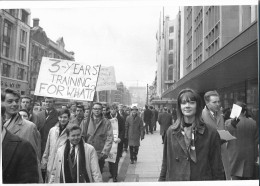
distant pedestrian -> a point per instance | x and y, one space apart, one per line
75 161
148 119
165 121
191 148
243 151
134 132
174 115
156 114
123 114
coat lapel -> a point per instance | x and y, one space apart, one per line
181 141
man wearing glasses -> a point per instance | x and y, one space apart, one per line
100 134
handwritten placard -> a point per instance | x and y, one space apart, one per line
106 79
67 79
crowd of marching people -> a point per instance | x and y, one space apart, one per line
42 144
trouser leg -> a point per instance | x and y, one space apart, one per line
150 128
101 165
131 153
136 149
146 128
125 144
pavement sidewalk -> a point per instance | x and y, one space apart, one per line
149 160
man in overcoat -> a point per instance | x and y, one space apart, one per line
15 124
134 132
164 120
243 150
100 134
123 114
19 159
212 116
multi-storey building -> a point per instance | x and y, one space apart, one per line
40 46
138 95
219 52
14 45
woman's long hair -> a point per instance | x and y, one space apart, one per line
189 95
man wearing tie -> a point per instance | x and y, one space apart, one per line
75 161
212 116
48 118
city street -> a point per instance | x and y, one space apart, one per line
147 168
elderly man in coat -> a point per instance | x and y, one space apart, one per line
212 116
242 151
15 124
134 132
56 138
75 161
100 134
164 120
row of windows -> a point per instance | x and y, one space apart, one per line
212 17
6 71
24 14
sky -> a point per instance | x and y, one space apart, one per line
110 33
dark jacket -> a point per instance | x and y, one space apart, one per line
134 130
45 126
148 114
177 165
19 163
165 121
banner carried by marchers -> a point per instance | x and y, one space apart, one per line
113 152
67 79
106 79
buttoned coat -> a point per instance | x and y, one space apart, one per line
45 124
243 150
26 130
19 163
92 166
134 130
177 165
100 136
54 141
165 121
218 123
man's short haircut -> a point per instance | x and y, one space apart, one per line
113 106
72 127
49 98
243 105
210 93
9 91
81 107
98 103
146 106
26 97
64 111
151 107
26 111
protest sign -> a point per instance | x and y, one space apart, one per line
67 79
113 152
106 79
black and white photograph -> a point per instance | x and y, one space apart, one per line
120 91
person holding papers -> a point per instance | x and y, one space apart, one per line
191 148
113 167
212 116
243 150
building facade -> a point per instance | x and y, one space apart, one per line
219 52
14 45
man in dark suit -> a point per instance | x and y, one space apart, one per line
19 163
148 114
164 120
48 118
